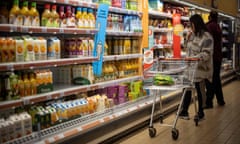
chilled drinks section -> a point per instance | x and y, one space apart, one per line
48 88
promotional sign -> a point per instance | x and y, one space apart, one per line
148 52
99 40
176 37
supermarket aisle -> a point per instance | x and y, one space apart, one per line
221 125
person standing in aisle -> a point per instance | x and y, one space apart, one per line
215 87
199 45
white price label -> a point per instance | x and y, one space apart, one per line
62 94
49 97
25 29
61 30
10 67
13 28
26 102
44 30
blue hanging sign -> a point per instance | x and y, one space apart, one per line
99 40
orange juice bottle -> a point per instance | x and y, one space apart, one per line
85 18
46 16
21 86
33 84
34 15
27 86
91 18
55 16
15 16
79 17
26 15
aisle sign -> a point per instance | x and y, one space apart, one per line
99 40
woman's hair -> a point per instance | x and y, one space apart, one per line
199 24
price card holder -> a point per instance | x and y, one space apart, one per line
13 28
25 29
26 101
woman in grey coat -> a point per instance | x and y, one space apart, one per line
199 45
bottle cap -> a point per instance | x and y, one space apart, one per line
47 6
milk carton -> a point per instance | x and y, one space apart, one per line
26 123
17 125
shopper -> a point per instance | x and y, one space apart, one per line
215 87
199 45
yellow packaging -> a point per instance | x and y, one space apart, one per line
43 48
29 49
26 123
4 50
19 48
11 50
90 47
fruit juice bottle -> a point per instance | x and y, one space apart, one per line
70 19
11 50
34 15
85 18
27 86
4 50
46 16
79 17
55 16
26 15
91 18
21 86
33 84
15 16
4 13
62 16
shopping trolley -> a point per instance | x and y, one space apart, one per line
180 74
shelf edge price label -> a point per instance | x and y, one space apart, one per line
13 28
44 30
26 101
61 95
61 30
49 97
10 67
24 29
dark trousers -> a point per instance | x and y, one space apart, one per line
188 96
214 87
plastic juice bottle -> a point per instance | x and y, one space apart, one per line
91 18
15 17
26 14
85 19
33 84
4 13
79 17
21 86
46 16
34 15
62 16
55 16
26 85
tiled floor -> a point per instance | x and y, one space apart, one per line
221 124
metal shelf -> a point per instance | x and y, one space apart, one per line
45 30
44 63
165 15
163 30
62 91
122 33
122 57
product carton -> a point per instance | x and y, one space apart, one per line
29 49
4 137
26 123
18 125
19 46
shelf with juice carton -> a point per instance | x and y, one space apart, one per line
28 52
55 91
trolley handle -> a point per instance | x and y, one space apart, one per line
181 59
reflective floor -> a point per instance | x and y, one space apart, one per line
220 126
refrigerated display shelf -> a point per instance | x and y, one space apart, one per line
123 33
45 30
44 63
62 91
161 46
84 123
121 57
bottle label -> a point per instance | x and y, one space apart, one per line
35 21
80 23
15 19
91 24
26 21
